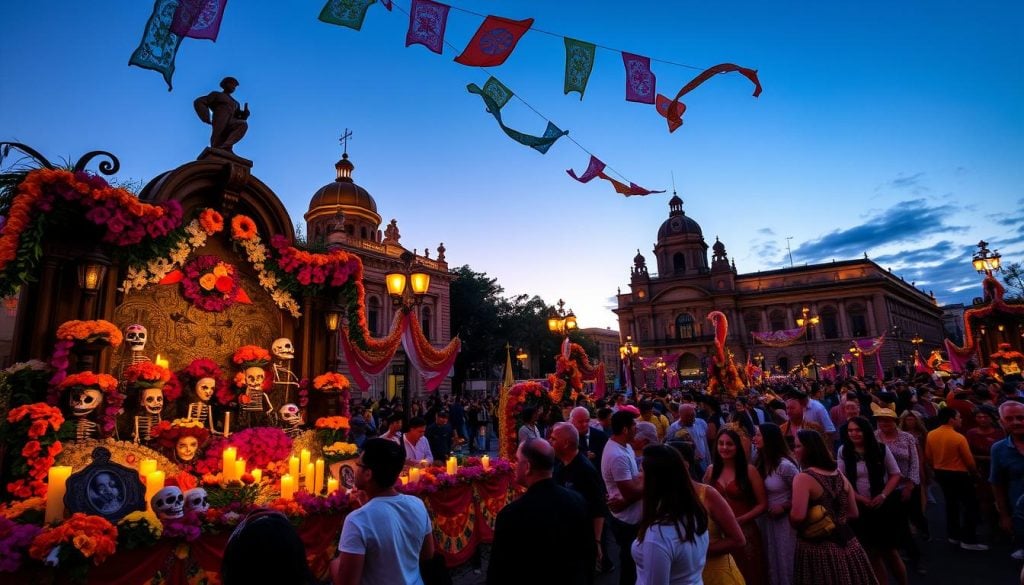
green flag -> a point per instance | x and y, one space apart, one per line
539 143
579 62
348 13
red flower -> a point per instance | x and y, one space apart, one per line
31 449
225 284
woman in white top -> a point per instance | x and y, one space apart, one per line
672 539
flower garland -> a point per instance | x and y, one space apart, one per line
112 399
92 537
161 270
14 542
36 426
211 221
146 375
91 332
257 255
436 478
331 382
210 284
123 219
243 228
518 397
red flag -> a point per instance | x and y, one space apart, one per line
675 119
671 109
494 41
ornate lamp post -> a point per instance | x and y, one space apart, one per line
521 356
916 340
92 268
986 262
626 353
406 298
560 322
809 321
332 319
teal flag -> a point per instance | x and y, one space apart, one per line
498 92
159 45
348 13
539 143
579 62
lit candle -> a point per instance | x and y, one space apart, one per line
146 466
163 363
293 467
227 424
154 483
303 459
239 469
229 463
332 485
55 490
287 486
486 462
453 466
414 474
310 475
318 481
257 476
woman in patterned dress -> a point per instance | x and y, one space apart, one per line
905 450
837 559
775 464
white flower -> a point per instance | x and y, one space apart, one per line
268 280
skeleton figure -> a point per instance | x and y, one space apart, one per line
284 351
169 503
201 410
152 402
196 500
291 416
135 339
84 402
256 407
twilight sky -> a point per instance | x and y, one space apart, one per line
894 129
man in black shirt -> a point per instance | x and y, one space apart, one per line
439 435
575 472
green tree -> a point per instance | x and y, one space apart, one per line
1013 278
474 318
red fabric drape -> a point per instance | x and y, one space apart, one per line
455 523
492 494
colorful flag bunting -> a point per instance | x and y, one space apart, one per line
198 19
494 41
594 169
498 92
159 45
579 62
540 143
674 114
640 81
627 190
348 13
427 21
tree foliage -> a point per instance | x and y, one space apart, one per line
1013 278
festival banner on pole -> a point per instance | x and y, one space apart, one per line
594 169
670 108
427 22
640 80
159 45
350 13
579 62
198 19
627 190
494 41
539 143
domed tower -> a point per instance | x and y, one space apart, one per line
680 250
344 205
723 274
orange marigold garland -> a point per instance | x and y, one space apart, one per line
211 221
91 331
37 426
90 537
243 227
331 382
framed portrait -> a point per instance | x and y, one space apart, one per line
105 488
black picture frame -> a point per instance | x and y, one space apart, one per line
105 488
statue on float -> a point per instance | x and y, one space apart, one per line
255 408
723 375
284 350
1006 363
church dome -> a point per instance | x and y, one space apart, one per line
678 224
343 191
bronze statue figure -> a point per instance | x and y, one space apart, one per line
229 121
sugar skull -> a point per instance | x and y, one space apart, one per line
169 503
135 337
290 415
85 401
205 388
283 349
153 400
196 500
254 377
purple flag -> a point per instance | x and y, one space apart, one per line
427 21
639 79
198 19
594 169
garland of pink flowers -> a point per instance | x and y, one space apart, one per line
433 364
209 283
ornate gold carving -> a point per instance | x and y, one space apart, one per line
79 455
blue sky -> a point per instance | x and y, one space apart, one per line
894 129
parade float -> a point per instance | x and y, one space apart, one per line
174 353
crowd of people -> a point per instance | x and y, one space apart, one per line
791 482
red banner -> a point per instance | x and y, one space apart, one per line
455 523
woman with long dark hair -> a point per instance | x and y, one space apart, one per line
775 465
874 474
743 489
835 557
672 538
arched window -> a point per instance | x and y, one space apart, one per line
752 321
829 323
858 320
777 320
362 232
425 321
373 316
684 326
678 263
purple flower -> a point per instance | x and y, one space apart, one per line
98 215
14 540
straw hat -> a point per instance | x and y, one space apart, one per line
882 412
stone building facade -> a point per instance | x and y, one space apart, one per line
666 311
608 350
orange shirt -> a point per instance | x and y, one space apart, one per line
947 450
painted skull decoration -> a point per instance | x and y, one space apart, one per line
291 415
254 377
196 500
153 400
84 402
135 337
169 503
283 349
205 388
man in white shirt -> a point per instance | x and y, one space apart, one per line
394 430
383 541
624 485
815 412
698 430
417 448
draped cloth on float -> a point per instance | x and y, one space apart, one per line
432 363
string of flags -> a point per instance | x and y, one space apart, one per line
492 44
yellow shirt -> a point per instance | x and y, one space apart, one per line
660 423
947 450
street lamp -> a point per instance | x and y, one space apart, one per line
560 322
332 319
405 298
986 262
521 356
92 268
626 353
897 334
809 321
916 340
858 356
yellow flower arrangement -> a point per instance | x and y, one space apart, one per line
341 449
